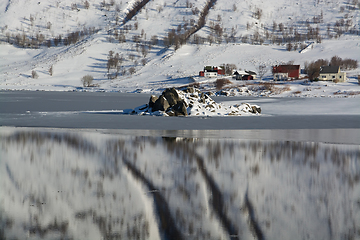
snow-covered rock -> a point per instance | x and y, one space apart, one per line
190 102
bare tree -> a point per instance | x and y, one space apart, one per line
51 70
258 13
154 40
144 50
86 4
87 80
74 6
262 69
289 46
48 25
132 70
34 74
234 8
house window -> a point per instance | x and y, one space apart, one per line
323 76
339 76
333 76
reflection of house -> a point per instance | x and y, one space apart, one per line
210 71
284 72
331 73
244 75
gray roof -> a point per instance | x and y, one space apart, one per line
329 69
250 72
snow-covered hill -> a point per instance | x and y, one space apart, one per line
51 45
91 185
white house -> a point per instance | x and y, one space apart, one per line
331 73
210 74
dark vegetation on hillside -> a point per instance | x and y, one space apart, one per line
292 36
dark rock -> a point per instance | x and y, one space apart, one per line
161 104
170 113
223 93
256 109
152 101
189 90
180 108
171 96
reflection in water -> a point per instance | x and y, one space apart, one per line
89 185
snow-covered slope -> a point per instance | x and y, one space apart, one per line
252 33
91 185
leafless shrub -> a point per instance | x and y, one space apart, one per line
86 5
297 92
51 70
144 50
234 8
221 82
87 80
262 69
34 74
258 13
154 40
289 46
74 6
48 25
267 86
159 8
132 70
188 4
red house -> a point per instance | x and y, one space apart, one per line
284 72
210 71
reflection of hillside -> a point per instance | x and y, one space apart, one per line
91 185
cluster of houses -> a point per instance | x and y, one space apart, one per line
327 73
280 73
213 71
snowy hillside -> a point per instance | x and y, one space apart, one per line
51 45
92 185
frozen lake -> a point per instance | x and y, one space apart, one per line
66 110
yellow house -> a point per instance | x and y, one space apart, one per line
331 73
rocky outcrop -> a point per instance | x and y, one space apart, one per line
169 102
161 104
190 101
